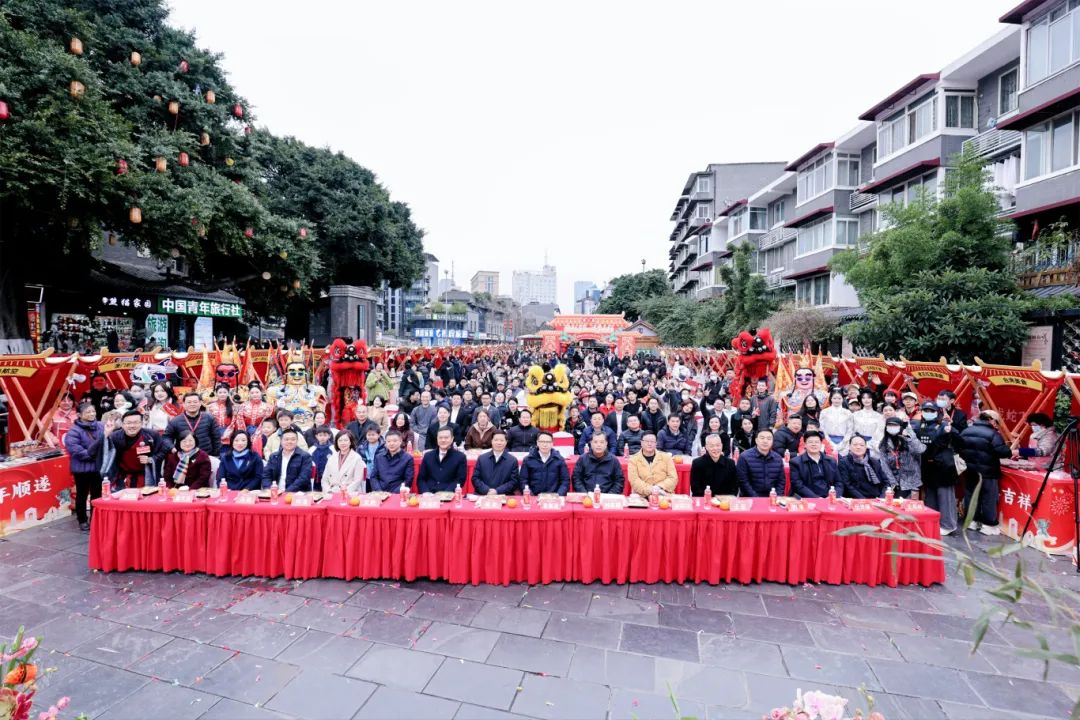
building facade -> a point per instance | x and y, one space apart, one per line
485 281
397 305
534 287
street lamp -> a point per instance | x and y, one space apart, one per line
446 309
642 264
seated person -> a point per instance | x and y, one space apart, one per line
344 469
240 466
496 471
544 471
522 436
320 449
713 469
598 467
1043 438
813 472
861 476
290 466
787 438
596 426
273 443
188 465
651 468
630 439
393 468
671 439
443 468
760 469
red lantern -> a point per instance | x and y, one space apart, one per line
303 232
174 107
184 160
4 112
160 165
184 66
76 46
238 110
121 167
76 89
136 59
211 98
135 215
249 233
247 129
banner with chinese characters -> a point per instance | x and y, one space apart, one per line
205 308
33 318
1052 528
1015 393
33 385
117 368
871 371
627 344
927 379
34 492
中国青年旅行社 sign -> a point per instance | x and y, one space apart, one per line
206 308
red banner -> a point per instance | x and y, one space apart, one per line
35 492
1015 393
927 379
1051 528
627 344
116 368
33 385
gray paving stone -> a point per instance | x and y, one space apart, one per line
611 589
624 610
476 712
20 553
385 597
794 608
571 599
64 564
396 667
613 668
954 654
500 594
826 593
274 606
214 594
696 682
458 641
1006 662
856 641
393 703
927 681
747 655
817 665
874 618
905 707
694 619
507 618
19 613
903 598
92 691
259 637
389 628
45 589
331 617
557 698
1019 695
433 587
662 642
634 705
662 593
162 585
547 657
161 700
775 630
957 711
317 650
475 683
765 588
70 630
226 709
199 623
583 630
768 691
317 694
328 589
723 598
121 647
184 661
953 628
248 679
445 608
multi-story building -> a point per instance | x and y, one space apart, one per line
699 239
534 287
485 281
586 297
397 304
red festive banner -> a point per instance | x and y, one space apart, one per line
33 493
1015 393
549 341
1051 528
927 379
627 344
33 385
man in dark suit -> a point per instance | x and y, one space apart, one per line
459 415
523 435
442 422
443 468
496 470
290 465
813 472
616 419
362 423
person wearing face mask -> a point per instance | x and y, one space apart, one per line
983 450
901 450
938 464
946 403
1043 440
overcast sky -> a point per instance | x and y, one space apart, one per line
513 129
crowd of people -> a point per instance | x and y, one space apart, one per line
649 409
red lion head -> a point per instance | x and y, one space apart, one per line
755 354
348 371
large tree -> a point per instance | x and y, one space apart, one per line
746 302
629 290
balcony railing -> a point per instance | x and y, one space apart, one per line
710 291
777 280
779 236
861 200
1042 264
993 141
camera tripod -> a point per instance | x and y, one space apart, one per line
1069 444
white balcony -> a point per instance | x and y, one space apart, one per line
993 141
775 280
777 236
859 201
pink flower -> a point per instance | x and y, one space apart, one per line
28 645
63 703
777 714
876 716
802 715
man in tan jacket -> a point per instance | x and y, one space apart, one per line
651 468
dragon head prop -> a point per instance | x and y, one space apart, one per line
349 364
549 395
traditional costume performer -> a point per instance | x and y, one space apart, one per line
348 371
549 396
253 411
296 394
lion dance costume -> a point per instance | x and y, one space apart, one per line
549 396
348 373
755 355
295 394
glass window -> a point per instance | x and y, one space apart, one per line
1061 155
930 183
1036 51
1033 152
847 173
821 290
847 232
1060 43
757 218
1007 91
704 184
703 210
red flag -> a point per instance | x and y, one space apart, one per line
1035 230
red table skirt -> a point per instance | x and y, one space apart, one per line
749 547
385 543
501 547
148 535
264 540
634 545
866 560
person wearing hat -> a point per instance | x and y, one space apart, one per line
901 450
939 477
911 405
983 448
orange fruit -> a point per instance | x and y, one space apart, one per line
724 505
587 502
665 503
355 501
512 503
288 498
414 501
173 492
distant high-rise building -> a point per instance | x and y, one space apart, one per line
586 297
398 304
535 287
486 281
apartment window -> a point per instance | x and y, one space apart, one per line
814 291
960 111
758 219
776 213
847 232
1053 41
815 237
847 171
738 223
922 119
703 210
1007 91
1050 147
704 184
907 126
815 179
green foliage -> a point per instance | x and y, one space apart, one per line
796 329
629 290
458 308
936 281
747 301
674 317
437 308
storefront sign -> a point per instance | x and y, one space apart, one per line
439 333
206 308
157 330
204 333
114 301
33 316
1039 346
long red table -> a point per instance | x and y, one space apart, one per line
471 545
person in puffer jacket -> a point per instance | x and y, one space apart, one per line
544 471
983 448
598 467
760 469
85 443
902 451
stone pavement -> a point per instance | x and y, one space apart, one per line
135 645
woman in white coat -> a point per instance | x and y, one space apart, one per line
345 468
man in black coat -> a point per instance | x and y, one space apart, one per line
813 472
198 422
598 467
983 448
443 468
523 435
139 452
496 471
442 422
787 438
361 424
616 419
713 469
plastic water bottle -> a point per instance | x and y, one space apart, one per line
654 498
773 499
526 498
889 495
626 450
457 496
735 455
223 491
708 496
787 456
363 480
832 496
408 447
106 489
404 492
274 493
596 496
163 491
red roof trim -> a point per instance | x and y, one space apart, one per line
732 206
900 175
806 273
794 164
1044 208
1043 111
1016 15
812 215
911 87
